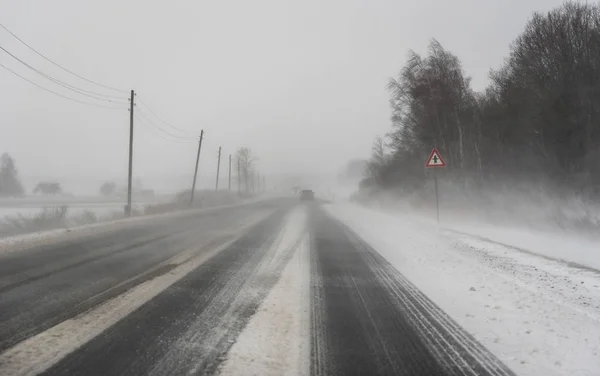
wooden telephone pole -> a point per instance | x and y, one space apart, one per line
218 167
239 178
129 176
196 169
229 186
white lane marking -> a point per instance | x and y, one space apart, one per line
45 349
276 340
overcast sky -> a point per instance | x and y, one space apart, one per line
300 82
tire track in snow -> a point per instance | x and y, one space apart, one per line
376 321
451 343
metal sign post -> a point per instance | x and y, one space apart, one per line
435 160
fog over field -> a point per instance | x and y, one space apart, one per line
306 87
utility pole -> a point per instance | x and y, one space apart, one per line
257 182
129 177
196 169
218 167
239 178
229 187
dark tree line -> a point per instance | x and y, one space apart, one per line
538 119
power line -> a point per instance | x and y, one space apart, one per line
60 95
159 135
58 65
163 121
63 84
178 140
145 116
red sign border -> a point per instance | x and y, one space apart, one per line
435 151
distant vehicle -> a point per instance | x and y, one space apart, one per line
307 195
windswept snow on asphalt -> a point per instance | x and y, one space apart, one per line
45 349
276 339
539 316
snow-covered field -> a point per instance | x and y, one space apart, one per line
30 207
539 315
26 240
74 209
563 245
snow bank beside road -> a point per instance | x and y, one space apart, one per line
539 316
566 247
545 237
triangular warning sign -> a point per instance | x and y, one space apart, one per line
435 159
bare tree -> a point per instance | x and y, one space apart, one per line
540 113
247 161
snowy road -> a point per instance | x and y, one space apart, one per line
270 288
368 319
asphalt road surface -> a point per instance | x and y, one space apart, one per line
275 287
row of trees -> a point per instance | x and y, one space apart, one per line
539 117
10 184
